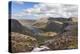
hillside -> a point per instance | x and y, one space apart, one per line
51 24
26 21
54 33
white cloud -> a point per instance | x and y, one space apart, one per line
51 10
18 2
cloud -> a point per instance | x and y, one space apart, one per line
18 2
51 10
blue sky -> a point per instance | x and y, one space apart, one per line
17 6
35 10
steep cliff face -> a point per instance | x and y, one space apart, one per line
15 25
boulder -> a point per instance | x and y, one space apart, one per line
22 43
62 41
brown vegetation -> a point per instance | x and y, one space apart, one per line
22 43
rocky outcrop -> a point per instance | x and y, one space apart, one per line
22 43
66 40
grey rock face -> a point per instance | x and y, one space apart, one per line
15 25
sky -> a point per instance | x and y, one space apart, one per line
35 10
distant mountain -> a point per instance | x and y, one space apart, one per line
26 21
16 26
51 24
